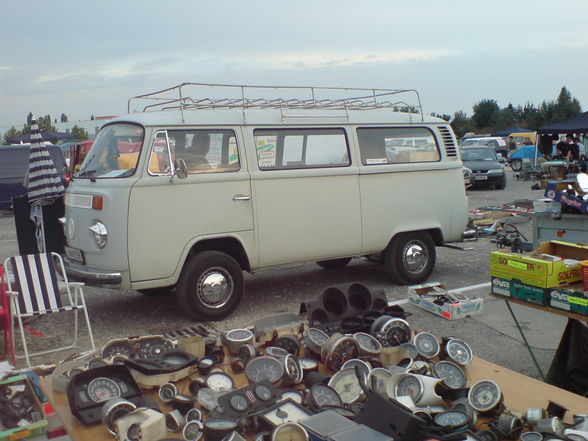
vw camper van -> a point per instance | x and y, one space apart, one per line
191 193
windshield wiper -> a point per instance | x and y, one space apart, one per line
87 174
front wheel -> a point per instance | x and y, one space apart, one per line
211 285
502 183
516 164
410 257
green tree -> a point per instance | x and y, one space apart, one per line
485 114
79 132
461 124
63 117
565 106
442 116
11 133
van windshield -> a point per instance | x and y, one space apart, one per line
114 154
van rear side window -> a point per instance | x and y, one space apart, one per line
394 145
301 148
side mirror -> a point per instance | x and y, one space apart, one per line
180 169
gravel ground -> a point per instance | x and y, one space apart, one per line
116 314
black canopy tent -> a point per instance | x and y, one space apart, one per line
576 124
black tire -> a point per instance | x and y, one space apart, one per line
516 165
417 247
502 184
334 264
154 292
224 295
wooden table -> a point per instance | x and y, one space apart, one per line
520 392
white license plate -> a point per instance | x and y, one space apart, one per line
74 254
481 178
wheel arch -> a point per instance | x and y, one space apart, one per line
435 234
228 245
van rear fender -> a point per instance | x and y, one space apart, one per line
435 234
229 245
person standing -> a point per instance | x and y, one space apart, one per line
512 145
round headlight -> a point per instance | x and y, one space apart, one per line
100 233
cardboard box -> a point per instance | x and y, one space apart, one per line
517 290
553 263
449 304
36 428
570 298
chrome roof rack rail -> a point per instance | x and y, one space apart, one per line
176 98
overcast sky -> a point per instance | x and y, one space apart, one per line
87 58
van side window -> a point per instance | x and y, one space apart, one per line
301 148
206 151
159 158
383 145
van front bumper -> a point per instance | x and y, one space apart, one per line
93 277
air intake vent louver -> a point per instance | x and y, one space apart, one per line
450 149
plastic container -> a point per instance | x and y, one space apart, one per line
546 205
584 274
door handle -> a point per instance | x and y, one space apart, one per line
240 197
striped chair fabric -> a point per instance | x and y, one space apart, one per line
36 282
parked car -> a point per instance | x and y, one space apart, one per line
515 158
468 177
496 142
14 164
485 165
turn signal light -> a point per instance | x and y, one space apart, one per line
97 202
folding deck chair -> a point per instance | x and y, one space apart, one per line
5 321
34 289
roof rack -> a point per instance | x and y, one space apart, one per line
175 98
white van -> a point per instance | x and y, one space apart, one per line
193 195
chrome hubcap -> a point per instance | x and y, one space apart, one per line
215 287
415 257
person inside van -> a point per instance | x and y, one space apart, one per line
195 156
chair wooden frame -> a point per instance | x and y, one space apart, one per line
34 289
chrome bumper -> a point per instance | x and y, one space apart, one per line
80 273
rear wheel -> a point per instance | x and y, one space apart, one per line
410 258
334 264
516 164
211 285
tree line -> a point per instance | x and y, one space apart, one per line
44 123
488 116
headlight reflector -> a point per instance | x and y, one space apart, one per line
100 234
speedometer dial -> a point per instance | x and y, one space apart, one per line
485 395
264 368
452 375
409 385
103 389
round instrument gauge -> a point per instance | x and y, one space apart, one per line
167 392
290 432
486 435
217 428
274 351
239 402
315 339
427 344
174 421
321 395
246 352
410 349
235 338
364 367
103 389
533 436
97 362
409 385
289 342
293 395
451 419
463 405
205 365
263 392
113 410
134 432
219 381
346 348
194 414
452 375
485 395
292 369
264 368
193 431
346 383
368 344
459 351
391 331
122 348
381 377
154 347
308 364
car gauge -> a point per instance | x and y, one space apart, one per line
409 385
262 392
290 432
239 402
193 431
315 339
153 347
308 364
103 389
274 351
114 409
338 349
293 395
346 383
246 352
368 344
451 419
533 436
320 396
458 351
194 414
293 372
219 381
264 368
217 428
118 347
235 338
427 344
364 367
410 349
167 392
463 405
452 375
289 342
391 331
485 395
97 362
380 376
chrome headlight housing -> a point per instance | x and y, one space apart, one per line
496 171
467 173
100 234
